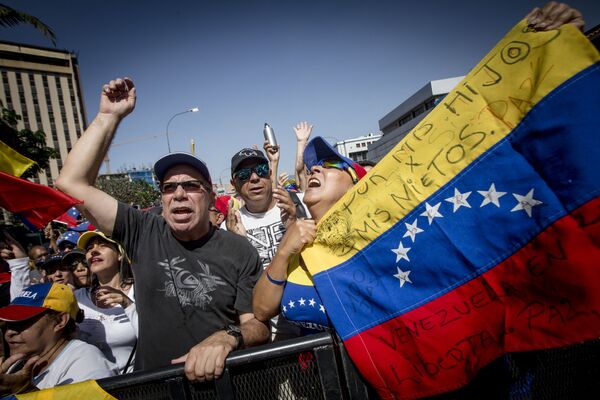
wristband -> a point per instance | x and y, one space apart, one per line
275 281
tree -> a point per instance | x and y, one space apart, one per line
129 191
11 17
30 144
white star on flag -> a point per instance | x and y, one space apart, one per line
322 309
459 200
526 203
412 230
402 276
401 252
284 309
301 301
491 196
311 302
291 304
431 212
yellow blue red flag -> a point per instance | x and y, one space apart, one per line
12 162
89 390
479 233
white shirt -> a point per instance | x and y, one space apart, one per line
113 330
19 276
77 362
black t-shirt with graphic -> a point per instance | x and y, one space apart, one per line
185 291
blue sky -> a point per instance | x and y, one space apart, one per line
341 65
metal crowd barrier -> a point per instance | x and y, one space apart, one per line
316 367
311 367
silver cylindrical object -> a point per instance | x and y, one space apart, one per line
269 135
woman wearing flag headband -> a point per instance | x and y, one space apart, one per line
285 286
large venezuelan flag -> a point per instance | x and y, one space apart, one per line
479 233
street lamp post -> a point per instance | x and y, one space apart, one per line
193 110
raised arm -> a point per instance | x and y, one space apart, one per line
552 15
272 153
81 168
302 130
269 288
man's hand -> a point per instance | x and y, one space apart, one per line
303 130
118 98
553 15
19 381
286 204
49 232
234 220
206 360
272 152
12 249
282 178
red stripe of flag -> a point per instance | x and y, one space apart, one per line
545 295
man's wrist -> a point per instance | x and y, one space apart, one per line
234 333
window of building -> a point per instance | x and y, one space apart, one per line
418 110
9 103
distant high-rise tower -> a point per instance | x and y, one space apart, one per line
42 85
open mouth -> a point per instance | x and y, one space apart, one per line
181 212
313 182
94 260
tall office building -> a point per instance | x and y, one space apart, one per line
42 85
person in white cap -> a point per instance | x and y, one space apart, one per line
193 283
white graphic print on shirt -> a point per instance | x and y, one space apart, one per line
192 289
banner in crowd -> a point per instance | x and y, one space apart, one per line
39 204
12 162
479 233
89 390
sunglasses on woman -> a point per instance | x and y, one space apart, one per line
337 164
341 165
193 186
243 174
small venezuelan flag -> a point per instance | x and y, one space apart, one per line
89 390
479 233
37 203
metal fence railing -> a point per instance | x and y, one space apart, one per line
304 368
316 367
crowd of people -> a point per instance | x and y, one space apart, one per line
188 282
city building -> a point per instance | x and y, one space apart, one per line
42 85
356 149
398 122
142 173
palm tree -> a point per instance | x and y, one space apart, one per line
11 17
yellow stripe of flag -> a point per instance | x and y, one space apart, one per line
479 112
12 162
88 390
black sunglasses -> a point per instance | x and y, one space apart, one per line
193 186
243 174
